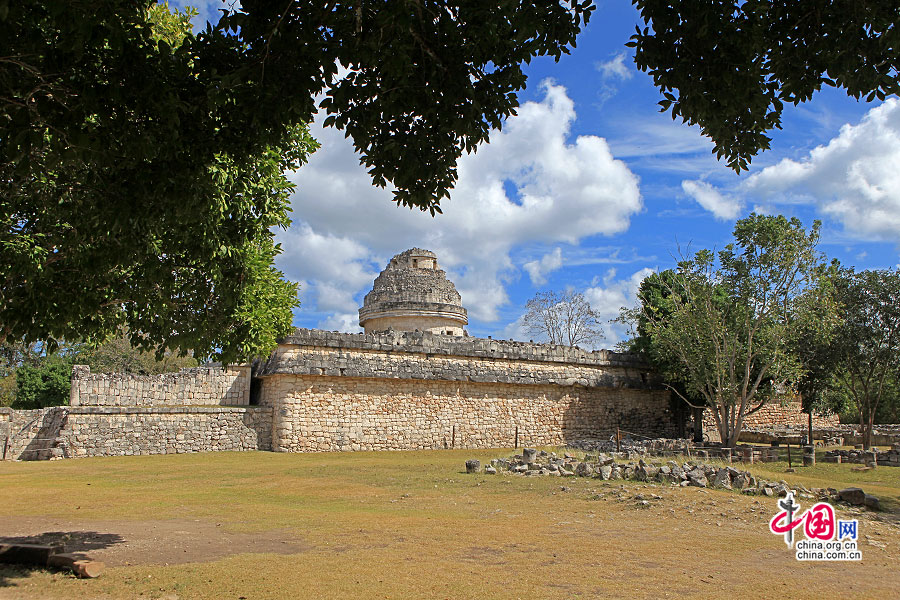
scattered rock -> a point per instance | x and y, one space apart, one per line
722 479
852 495
584 470
698 480
872 502
473 466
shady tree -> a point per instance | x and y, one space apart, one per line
723 327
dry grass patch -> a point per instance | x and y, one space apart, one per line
410 525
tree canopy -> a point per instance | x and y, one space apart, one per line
866 344
723 324
731 66
142 166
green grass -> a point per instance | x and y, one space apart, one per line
414 525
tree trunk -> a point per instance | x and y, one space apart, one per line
722 423
867 434
862 427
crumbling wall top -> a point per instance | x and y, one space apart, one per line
423 342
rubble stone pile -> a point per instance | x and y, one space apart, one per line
889 458
693 473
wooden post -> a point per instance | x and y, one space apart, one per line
811 442
517 437
789 456
618 437
453 438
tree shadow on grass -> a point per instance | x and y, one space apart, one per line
76 542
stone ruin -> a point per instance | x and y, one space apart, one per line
414 380
872 457
413 294
692 473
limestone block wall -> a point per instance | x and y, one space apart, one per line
68 432
29 432
422 355
772 416
197 386
316 413
133 431
412 390
5 414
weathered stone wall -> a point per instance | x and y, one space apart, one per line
436 325
774 415
66 432
410 390
319 413
111 431
197 386
422 355
28 433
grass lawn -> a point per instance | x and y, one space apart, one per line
414 525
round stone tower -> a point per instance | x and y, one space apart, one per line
413 293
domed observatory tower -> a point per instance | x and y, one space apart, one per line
413 293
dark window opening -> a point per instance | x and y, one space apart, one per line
255 391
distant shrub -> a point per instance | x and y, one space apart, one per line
47 384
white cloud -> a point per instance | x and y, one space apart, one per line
615 67
334 267
722 207
660 138
539 269
854 178
345 230
344 322
613 294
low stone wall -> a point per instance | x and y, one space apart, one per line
132 431
197 386
318 413
4 429
67 432
890 457
770 418
423 342
413 390
28 433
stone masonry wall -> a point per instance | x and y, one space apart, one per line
66 432
29 432
773 415
422 355
433 345
411 390
197 386
322 413
131 431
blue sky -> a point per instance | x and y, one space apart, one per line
591 188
